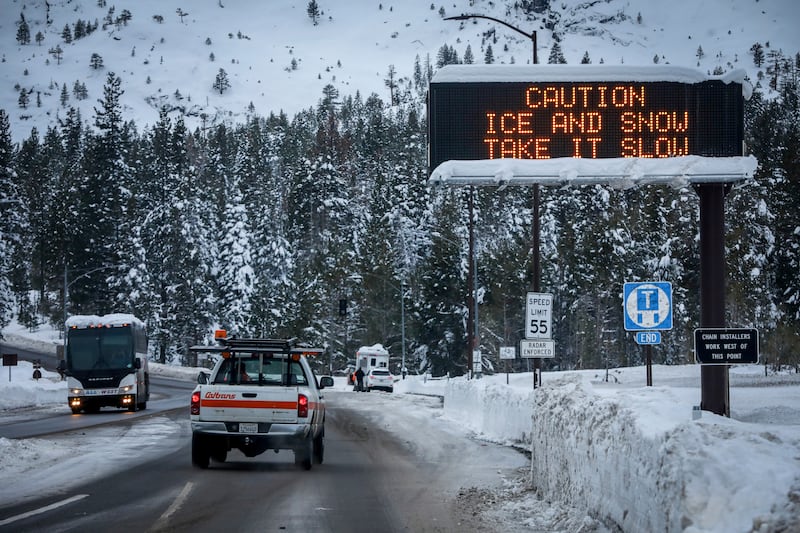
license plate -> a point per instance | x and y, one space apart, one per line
99 392
248 427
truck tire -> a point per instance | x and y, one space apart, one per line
200 453
219 451
319 447
303 456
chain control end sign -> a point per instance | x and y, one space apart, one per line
538 315
648 337
647 305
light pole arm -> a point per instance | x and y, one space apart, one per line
531 36
69 284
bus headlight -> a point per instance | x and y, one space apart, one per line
126 388
76 392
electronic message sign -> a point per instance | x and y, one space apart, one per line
612 118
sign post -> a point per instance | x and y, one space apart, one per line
507 353
516 125
9 360
538 331
648 309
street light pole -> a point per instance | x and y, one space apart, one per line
472 289
403 328
537 267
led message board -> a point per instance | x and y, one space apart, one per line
588 119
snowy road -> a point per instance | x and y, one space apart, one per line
390 453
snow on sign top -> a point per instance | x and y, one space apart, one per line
619 173
582 73
557 124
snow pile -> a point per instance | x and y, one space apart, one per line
634 457
21 390
490 409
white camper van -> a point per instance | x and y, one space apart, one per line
369 357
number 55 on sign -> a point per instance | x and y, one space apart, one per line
538 315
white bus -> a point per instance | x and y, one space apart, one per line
105 362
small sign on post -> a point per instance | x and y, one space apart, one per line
9 360
725 346
543 349
477 362
508 352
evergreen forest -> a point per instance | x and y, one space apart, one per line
322 226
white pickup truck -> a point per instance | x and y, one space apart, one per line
261 395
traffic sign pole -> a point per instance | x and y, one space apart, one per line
538 324
648 309
714 379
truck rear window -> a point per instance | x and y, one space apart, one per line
255 371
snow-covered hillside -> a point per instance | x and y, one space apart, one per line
169 53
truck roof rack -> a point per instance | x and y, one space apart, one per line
258 345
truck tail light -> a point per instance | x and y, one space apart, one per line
195 407
302 406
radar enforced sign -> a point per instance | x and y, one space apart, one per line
529 349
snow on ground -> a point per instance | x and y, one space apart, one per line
620 453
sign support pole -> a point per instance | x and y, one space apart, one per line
714 384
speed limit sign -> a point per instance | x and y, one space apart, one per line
538 315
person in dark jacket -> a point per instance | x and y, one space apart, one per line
360 380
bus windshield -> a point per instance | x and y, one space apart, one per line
94 348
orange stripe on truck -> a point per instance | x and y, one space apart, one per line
248 404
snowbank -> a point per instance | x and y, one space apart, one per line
19 390
634 457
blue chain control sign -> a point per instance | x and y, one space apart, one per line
647 305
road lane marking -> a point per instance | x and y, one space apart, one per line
175 505
41 510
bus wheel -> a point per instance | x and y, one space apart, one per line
141 406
